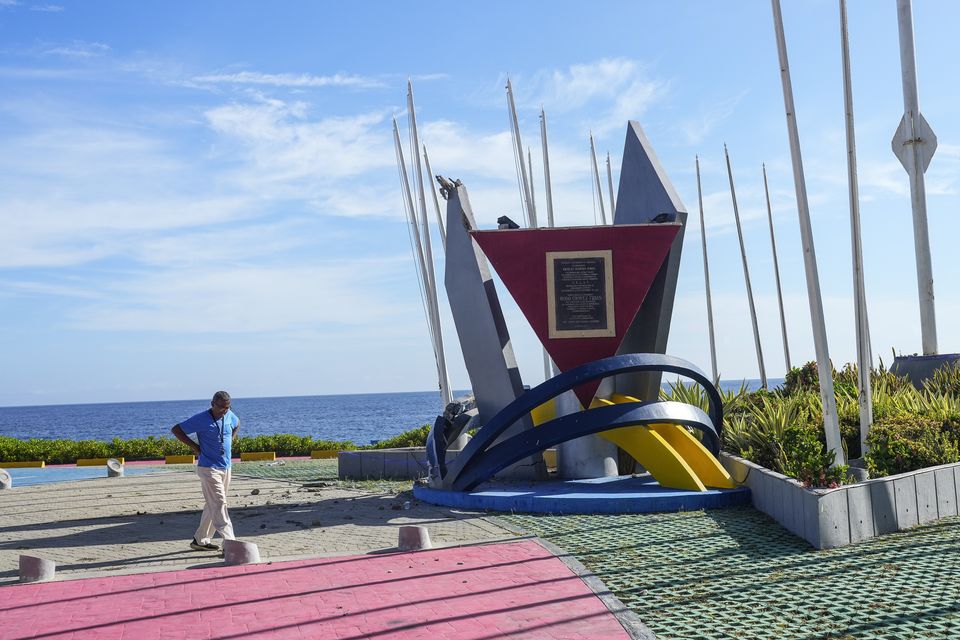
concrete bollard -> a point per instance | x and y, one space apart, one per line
34 569
414 537
237 552
114 468
6 481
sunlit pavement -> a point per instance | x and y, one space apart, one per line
331 569
516 589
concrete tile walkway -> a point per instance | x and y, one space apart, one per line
145 522
516 590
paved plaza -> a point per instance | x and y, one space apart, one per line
486 591
145 522
329 551
735 573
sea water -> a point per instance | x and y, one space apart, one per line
359 418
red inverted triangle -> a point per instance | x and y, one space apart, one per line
520 259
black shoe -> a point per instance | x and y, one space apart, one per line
196 546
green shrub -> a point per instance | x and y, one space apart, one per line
806 458
759 434
150 448
285 444
908 442
156 448
686 392
802 379
945 380
416 437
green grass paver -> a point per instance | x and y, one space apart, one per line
734 573
308 471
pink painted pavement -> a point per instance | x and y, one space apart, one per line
516 590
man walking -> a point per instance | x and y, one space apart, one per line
215 428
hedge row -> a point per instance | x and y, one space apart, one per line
153 448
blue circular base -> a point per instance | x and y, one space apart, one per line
621 494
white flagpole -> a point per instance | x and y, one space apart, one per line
445 393
776 273
613 205
533 198
548 366
436 202
864 352
518 151
746 274
417 247
831 425
706 280
546 166
596 176
914 144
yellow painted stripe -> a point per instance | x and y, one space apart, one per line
544 412
323 455
96 462
651 450
258 455
23 465
180 459
706 466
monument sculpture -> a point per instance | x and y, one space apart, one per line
600 299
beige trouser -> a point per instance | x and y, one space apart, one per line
214 483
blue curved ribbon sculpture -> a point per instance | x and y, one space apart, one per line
481 459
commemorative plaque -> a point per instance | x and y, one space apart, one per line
580 294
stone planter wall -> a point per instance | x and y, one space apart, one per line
828 518
408 463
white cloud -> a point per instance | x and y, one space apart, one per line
47 8
246 299
622 85
79 49
429 77
696 128
54 232
40 74
301 80
281 144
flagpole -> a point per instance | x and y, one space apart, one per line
613 206
864 355
436 202
776 272
596 175
706 280
746 274
546 166
831 425
445 393
914 144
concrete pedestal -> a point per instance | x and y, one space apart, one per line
114 468
587 457
34 569
238 552
413 538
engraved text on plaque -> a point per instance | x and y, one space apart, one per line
580 294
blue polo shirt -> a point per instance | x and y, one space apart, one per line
210 433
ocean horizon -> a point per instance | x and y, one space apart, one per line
361 418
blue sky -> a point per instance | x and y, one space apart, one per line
204 195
